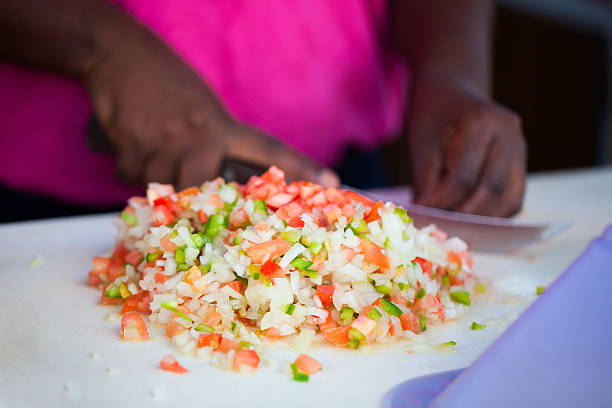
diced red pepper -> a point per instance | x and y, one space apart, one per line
272 270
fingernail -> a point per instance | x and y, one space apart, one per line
328 178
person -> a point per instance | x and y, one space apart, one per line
180 86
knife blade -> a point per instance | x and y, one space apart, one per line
482 233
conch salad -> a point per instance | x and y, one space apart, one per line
227 268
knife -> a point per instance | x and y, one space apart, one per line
489 234
482 233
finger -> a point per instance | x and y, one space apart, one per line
161 166
494 182
425 155
251 146
465 157
198 165
513 199
130 158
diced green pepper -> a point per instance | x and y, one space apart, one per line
260 205
290 309
480 287
129 219
355 334
312 274
315 247
423 323
420 293
179 256
390 308
297 375
173 234
445 280
151 257
301 263
386 243
238 239
205 268
172 306
234 325
477 326
216 223
540 290
291 236
402 286
403 214
374 314
461 296
182 267
112 292
446 346
197 239
346 315
204 328
385 290
245 345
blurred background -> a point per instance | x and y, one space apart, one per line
553 66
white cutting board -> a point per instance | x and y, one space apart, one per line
51 322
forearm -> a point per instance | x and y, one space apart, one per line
442 38
65 36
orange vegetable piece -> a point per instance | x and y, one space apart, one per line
169 363
374 254
307 364
267 250
133 327
373 214
246 357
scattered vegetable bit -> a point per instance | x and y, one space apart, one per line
477 326
461 296
133 327
540 290
420 293
290 309
480 287
203 327
423 323
447 346
307 364
390 308
297 375
169 363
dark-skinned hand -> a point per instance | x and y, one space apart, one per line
467 153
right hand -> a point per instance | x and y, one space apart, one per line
167 126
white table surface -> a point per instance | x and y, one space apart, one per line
51 322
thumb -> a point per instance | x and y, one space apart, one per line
252 146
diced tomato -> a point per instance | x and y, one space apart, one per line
426 265
373 214
202 216
295 223
226 345
308 189
273 333
430 306
337 336
307 364
133 257
246 357
280 199
133 327
290 211
238 217
115 270
349 253
166 244
267 250
173 327
139 302
210 340
348 211
326 293
184 197
119 253
411 322
399 300
262 226
265 191
272 270
274 175
169 363
353 196
216 200
319 199
374 254
105 300
457 257
236 285
333 195
99 271
332 212
364 324
157 190
213 318
160 277
440 235
161 215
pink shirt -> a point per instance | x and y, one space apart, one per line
314 73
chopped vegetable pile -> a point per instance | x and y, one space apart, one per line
226 268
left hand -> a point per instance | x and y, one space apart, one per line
467 153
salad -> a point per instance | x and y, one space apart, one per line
227 268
